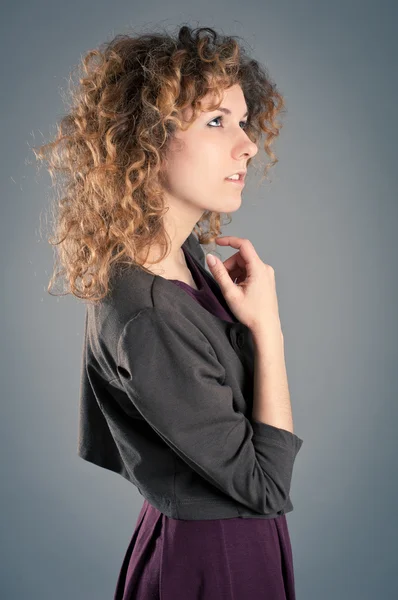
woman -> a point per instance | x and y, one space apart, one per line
184 389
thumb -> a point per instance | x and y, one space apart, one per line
219 273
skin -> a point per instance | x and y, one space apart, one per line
198 161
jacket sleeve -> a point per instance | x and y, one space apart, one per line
171 374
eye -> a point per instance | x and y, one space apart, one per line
220 118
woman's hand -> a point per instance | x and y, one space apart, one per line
252 299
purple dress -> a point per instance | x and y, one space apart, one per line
216 559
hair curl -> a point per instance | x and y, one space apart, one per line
111 146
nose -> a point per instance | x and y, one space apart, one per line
245 147
253 149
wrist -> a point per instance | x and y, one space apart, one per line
267 329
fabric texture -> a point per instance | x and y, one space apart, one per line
213 559
167 396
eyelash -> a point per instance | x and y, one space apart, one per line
221 118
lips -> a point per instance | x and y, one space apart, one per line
241 177
237 182
240 172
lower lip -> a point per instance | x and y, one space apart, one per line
240 182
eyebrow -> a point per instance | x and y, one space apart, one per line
228 112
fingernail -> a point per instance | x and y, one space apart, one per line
211 260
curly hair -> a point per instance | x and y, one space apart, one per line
110 147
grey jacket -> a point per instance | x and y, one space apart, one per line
166 401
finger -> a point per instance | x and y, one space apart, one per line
221 275
234 262
246 257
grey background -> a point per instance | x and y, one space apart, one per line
326 222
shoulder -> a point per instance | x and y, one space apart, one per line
133 289
140 299
136 295
163 328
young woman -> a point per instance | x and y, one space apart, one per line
184 389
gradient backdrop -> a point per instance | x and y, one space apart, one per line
327 222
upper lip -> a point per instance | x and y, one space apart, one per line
242 173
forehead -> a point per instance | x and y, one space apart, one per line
232 98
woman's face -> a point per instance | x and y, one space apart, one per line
199 159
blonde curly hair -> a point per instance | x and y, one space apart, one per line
111 146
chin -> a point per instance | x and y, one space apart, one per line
232 203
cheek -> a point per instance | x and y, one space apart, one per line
194 166
197 162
